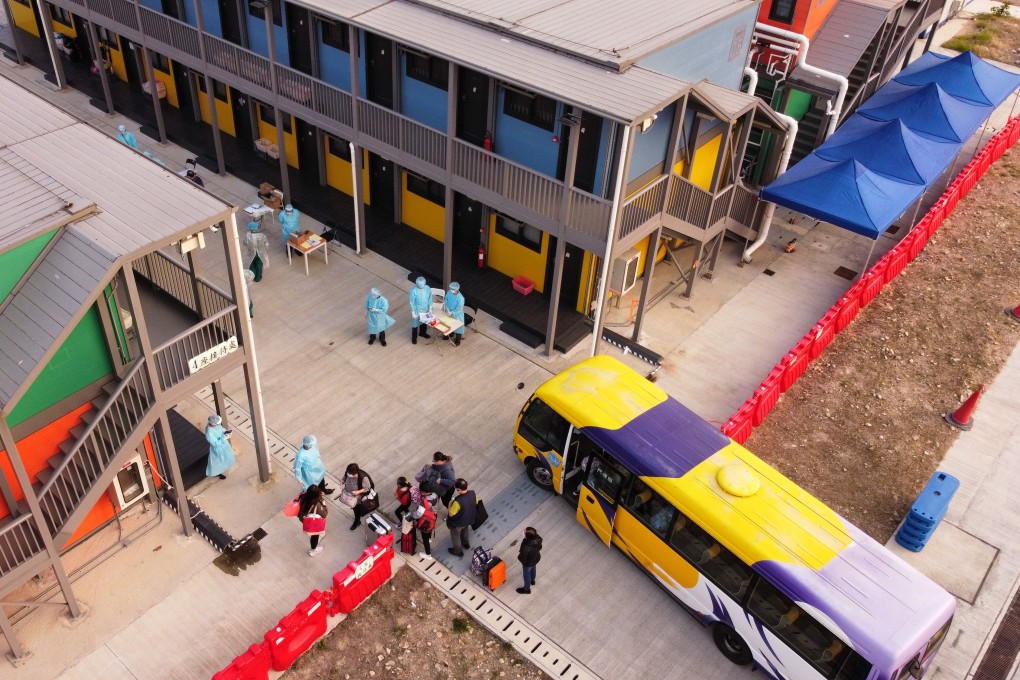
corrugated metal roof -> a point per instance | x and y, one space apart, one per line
37 200
844 38
609 31
730 104
60 169
627 97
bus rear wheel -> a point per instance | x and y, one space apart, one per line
540 475
731 644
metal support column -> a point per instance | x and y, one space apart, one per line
17 48
646 282
253 384
616 215
51 43
100 65
8 443
175 474
281 142
357 155
571 119
214 120
220 403
157 105
18 653
451 134
8 496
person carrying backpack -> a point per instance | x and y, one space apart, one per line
462 516
358 493
447 477
403 496
420 511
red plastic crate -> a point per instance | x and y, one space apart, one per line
523 285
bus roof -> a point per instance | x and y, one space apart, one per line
820 559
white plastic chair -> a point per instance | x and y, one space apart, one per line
438 301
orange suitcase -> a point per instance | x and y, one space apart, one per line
495 573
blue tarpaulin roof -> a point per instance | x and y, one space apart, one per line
896 145
889 148
966 76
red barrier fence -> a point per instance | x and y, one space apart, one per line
753 411
298 630
360 578
252 665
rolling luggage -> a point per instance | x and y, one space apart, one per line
495 573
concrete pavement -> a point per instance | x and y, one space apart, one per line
162 608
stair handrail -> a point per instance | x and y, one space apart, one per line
207 321
114 396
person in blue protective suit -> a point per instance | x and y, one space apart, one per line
289 222
308 467
127 137
420 298
154 159
257 249
455 308
376 307
221 453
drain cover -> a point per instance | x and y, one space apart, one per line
848 274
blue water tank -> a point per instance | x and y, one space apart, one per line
927 511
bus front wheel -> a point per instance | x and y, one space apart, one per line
539 475
731 644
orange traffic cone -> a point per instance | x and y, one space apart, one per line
961 417
1014 313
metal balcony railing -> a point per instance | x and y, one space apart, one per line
589 214
643 206
745 208
172 357
20 541
174 279
170 31
401 132
88 461
688 202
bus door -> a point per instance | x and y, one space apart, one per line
600 493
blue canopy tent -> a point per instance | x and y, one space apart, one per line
889 148
896 145
844 193
966 76
926 109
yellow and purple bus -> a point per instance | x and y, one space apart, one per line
779 578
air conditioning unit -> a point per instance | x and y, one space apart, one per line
625 270
131 484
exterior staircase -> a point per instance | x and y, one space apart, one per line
808 134
80 474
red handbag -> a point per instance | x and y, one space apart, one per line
292 508
313 524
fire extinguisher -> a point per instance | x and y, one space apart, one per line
487 142
481 256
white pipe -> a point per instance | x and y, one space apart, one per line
606 261
833 109
752 80
770 209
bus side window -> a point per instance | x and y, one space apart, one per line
649 507
720 565
804 634
544 429
606 479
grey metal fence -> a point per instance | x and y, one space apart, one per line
20 540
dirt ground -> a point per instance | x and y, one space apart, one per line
989 37
409 629
862 429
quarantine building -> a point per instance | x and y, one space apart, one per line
552 148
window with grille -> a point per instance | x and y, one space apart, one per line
531 108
